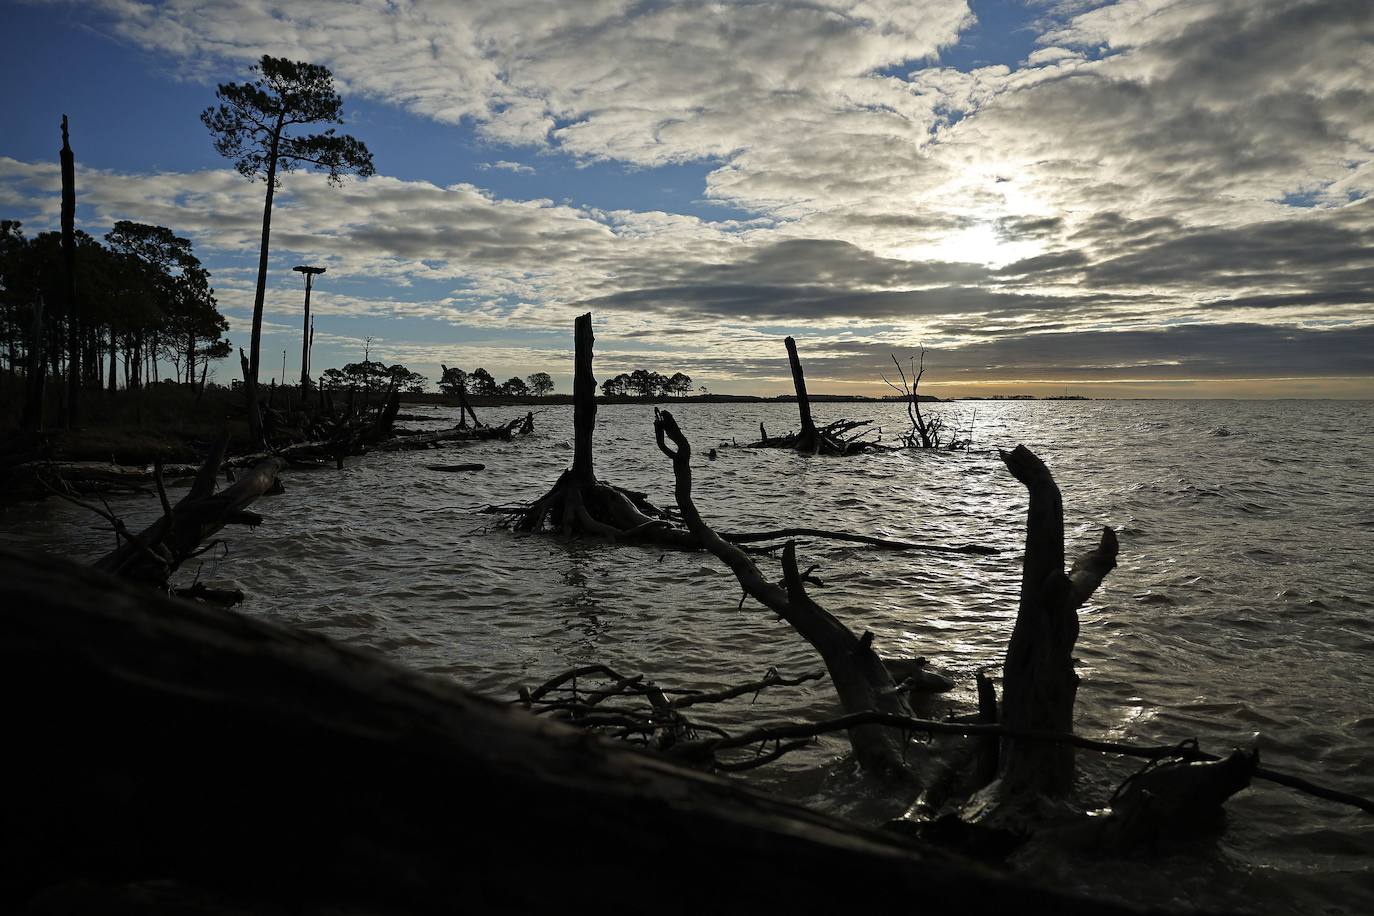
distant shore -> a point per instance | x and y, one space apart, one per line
498 400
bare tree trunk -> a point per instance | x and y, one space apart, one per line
250 381
584 401
73 412
808 426
33 403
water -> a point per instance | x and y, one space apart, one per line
1240 613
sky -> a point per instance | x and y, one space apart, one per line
1144 198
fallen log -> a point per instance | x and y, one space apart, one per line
151 556
861 680
520 426
456 468
177 758
751 537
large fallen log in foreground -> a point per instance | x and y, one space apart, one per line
164 756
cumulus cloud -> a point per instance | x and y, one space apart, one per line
1133 175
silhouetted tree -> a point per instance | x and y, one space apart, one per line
613 387
405 380
514 385
144 295
481 382
252 124
679 384
541 383
453 380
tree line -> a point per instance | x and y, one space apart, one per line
144 299
645 384
480 381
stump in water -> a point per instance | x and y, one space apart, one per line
1038 681
811 439
464 408
925 432
578 503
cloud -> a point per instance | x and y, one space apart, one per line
1127 177
504 165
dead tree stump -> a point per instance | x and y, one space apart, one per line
580 504
1039 684
810 439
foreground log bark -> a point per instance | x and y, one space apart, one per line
178 758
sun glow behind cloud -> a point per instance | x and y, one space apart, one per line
1134 174
978 244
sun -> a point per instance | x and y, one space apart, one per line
977 244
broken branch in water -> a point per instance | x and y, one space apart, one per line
860 678
749 537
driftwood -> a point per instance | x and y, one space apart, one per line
831 439
520 426
862 682
179 758
456 468
1031 767
1038 681
151 556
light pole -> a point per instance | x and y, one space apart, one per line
307 334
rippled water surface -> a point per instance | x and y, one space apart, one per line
1242 612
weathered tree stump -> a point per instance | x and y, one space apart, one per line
1035 779
579 503
830 439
